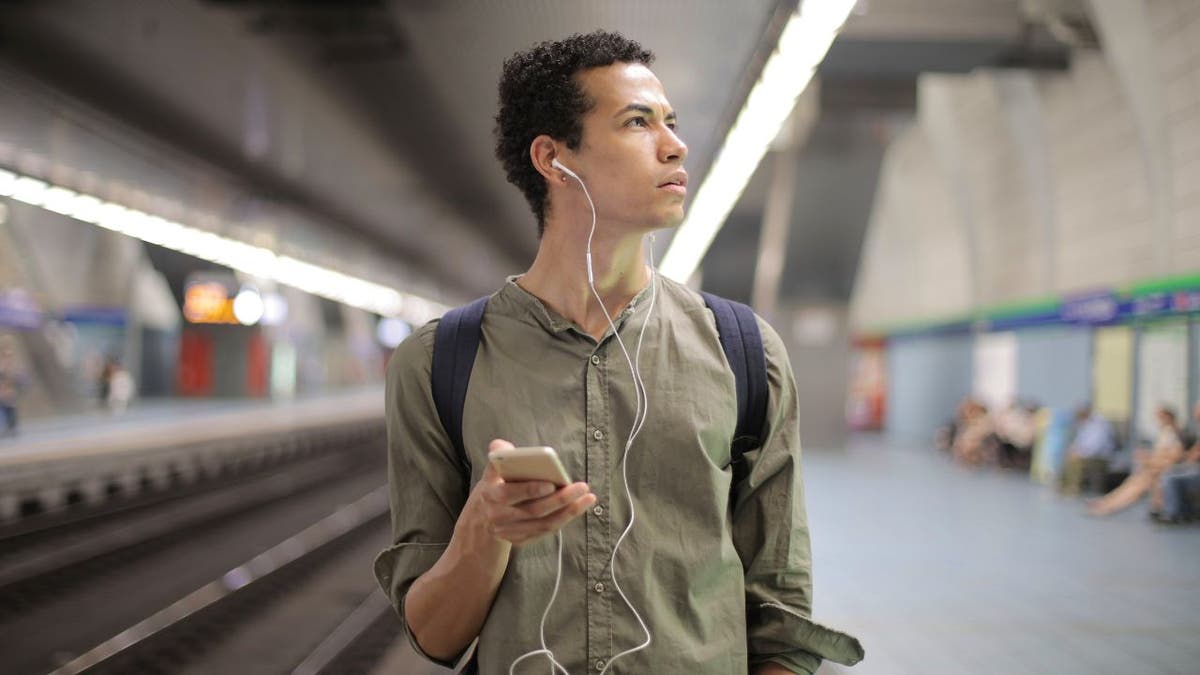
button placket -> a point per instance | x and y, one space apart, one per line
598 605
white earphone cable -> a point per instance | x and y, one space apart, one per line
641 411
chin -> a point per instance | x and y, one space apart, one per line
672 219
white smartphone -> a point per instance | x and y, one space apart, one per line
529 463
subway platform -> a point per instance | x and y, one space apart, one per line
945 569
938 568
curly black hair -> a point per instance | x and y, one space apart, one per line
540 95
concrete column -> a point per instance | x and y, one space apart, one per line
1022 110
942 127
1129 48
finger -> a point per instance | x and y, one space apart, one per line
533 528
527 531
511 494
503 493
490 475
559 499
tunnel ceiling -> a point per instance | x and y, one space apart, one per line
867 94
398 150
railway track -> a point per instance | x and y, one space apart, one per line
266 615
69 588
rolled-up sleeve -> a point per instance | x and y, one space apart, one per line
771 535
427 485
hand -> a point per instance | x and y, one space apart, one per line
525 511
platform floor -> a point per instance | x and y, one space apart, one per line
937 568
943 569
174 420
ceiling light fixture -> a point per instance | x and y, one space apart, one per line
253 260
802 45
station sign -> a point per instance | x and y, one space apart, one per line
208 302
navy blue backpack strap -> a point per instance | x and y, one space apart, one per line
737 328
454 347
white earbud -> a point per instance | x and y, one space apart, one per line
559 165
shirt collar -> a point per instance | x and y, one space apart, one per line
528 305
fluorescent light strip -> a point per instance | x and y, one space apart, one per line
802 45
254 260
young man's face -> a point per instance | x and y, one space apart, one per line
629 156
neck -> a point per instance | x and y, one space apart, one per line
558 276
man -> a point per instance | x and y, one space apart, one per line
1089 452
1180 485
1149 464
720 573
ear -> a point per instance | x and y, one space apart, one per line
542 151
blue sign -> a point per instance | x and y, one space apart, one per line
1091 309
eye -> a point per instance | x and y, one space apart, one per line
636 122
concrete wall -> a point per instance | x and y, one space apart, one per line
1013 185
926 380
1054 366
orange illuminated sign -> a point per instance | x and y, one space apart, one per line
208 302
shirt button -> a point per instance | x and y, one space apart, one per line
598 435
599 587
595 360
598 510
599 664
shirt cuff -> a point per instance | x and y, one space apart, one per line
412 640
396 568
778 633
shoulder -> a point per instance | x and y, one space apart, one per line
413 356
681 296
691 302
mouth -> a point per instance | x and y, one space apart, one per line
677 183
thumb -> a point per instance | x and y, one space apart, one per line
499 444
490 475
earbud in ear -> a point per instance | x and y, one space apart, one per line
559 165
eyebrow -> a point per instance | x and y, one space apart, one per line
644 109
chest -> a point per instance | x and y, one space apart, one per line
583 400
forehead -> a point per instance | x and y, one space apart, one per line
614 86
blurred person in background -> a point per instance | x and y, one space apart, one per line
1149 466
12 380
1016 431
944 437
120 388
104 381
1089 452
973 435
1180 484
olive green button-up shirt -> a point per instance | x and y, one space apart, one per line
723 584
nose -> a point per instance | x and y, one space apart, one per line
673 148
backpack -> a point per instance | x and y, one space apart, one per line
457 340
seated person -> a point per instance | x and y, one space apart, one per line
1180 485
1148 469
1089 452
973 434
945 435
1016 431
